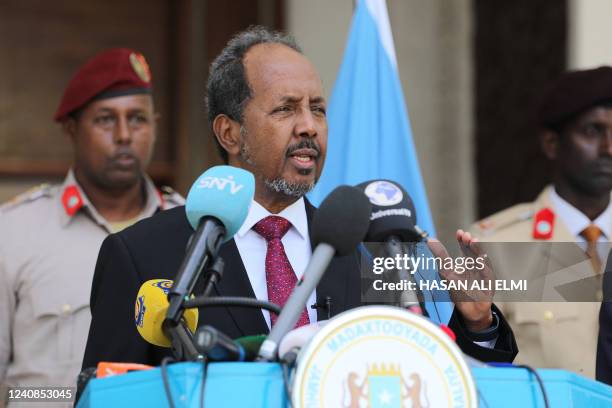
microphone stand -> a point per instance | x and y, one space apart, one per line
183 346
201 255
409 300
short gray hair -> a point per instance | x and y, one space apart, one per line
228 90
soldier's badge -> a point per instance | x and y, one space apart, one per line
72 200
543 224
140 67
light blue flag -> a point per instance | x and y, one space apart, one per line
369 131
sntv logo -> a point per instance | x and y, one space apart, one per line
220 183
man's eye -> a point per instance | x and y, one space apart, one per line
592 130
138 119
319 109
104 120
284 108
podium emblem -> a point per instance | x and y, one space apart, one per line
381 356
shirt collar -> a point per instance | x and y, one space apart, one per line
576 221
295 214
70 187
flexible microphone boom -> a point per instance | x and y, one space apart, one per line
339 225
394 222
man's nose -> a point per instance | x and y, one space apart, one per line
306 125
123 133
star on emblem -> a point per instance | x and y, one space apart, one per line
385 397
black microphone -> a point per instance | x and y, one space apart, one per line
394 223
217 346
339 225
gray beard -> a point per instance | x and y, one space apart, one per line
279 185
282 186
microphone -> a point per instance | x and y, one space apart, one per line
216 206
394 222
339 225
217 346
150 311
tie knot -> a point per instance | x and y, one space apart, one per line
591 233
272 227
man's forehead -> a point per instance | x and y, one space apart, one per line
597 112
278 65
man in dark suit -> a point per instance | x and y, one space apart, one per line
267 111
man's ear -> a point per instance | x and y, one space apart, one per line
69 128
227 132
549 143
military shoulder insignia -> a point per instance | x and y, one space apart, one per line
42 190
140 67
504 219
543 224
72 200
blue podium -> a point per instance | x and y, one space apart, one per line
261 385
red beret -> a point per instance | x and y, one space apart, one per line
115 72
573 93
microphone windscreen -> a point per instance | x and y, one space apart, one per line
393 212
251 344
150 312
342 220
223 192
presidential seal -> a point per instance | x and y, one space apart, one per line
381 356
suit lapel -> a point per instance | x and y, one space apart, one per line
235 282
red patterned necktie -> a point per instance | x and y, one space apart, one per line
280 278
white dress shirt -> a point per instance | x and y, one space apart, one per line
252 248
576 222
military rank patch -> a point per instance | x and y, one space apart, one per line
29 195
543 224
72 200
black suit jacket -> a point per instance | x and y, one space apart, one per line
154 249
603 367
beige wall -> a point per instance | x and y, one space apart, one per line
433 46
589 33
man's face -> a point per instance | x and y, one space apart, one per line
585 151
283 139
113 140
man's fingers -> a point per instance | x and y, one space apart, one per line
437 248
